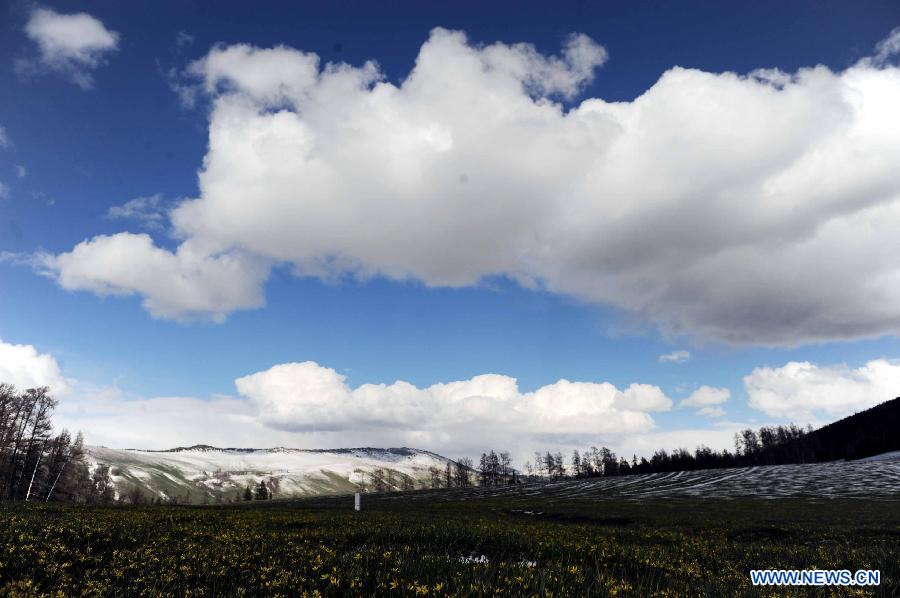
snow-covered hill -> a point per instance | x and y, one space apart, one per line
209 474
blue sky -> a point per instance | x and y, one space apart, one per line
76 147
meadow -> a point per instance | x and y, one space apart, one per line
441 545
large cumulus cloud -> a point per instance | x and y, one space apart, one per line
309 398
807 392
307 405
745 208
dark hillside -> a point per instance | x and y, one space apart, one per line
864 434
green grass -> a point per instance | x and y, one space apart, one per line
441 545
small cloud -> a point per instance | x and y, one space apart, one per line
70 44
18 259
4 138
711 412
183 39
4 191
675 357
705 396
20 171
887 48
43 198
148 211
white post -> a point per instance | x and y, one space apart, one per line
356 502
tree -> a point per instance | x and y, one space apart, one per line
448 475
609 464
539 464
274 484
102 485
505 467
483 470
462 476
576 464
751 445
435 477
38 436
560 465
60 453
378 476
34 464
262 491
549 464
136 496
248 492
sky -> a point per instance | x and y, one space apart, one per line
452 226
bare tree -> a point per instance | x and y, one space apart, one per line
390 480
448 475
378 480
463 474
136 496
435 476
505 467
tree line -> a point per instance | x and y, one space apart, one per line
35 464
770 445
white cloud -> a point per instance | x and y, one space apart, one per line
746 209
675 357
888 48
107 417
24 367
182 40
4 190
456 416
709 400
20 171
4 138
195 280
711 411
706 396
306 405
806 393
71 44
148 211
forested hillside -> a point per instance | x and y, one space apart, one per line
864 434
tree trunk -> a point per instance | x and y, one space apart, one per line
37 464
61 470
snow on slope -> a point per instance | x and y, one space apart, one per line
835 479
208 474
891 456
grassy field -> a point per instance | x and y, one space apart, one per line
439 545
